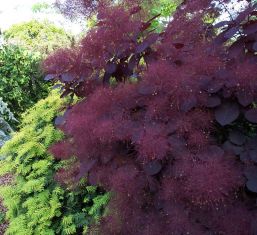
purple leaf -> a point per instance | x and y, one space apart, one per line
226 93
251 173
59 120
110 68
145 90
237 137
215 150
251 115
228 146
237 48
227 113
255 46
231 32
178 45
244 98
221 24
244 157
214 86
252 143
252 185
57 86
253 155
49 77
133 62
188 104
85 167
146 43
250 28
152 168
213 101
66 77
106 78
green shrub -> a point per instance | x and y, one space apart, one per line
35 203
43 37
21 82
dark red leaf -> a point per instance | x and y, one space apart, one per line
251 173
152 168
66 77
145 90
231 32
214 86
110 68
215 150
244 98
255 46
188 104
221 24
49 77
253 155
106 78
250 28
57 86
85 167
228 146
178 45
244 157
251 143
237 137
213 101
227 113
237 48
135 10
59 120
251 115
227 93
147 42
133 62
252 185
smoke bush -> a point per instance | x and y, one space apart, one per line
177 147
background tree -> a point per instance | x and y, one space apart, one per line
43 37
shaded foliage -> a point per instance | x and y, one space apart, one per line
5 116
178 146
21 81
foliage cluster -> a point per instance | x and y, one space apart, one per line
21 82
43 37
177 147
40 6
36 203
5 116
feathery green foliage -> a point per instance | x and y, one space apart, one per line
36 203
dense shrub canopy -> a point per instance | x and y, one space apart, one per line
169 122
21 82
43 37
36 203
